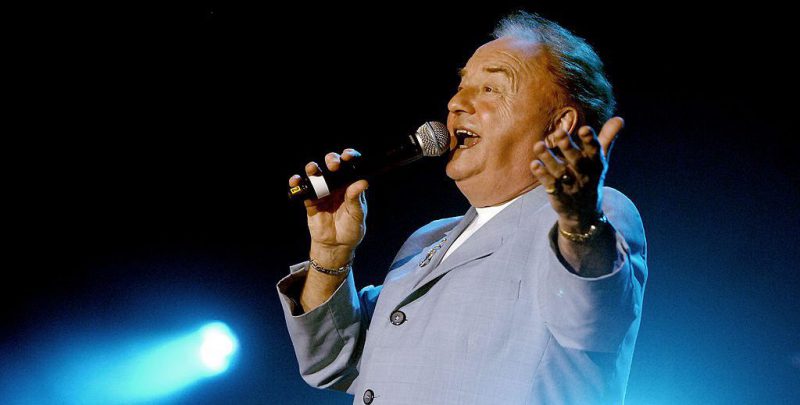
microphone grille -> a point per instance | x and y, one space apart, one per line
434 138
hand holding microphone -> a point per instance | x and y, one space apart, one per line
334 195
337 222
431 139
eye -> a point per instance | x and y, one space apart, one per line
487 89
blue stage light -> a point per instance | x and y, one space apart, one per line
110 370
218 346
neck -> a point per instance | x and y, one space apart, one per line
495 197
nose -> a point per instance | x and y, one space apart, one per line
461 102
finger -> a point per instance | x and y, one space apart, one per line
569 150
349 154
609 133
544 177
294 181
332 161
312 169
589 142
354 190
553 165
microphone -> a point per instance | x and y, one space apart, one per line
431 139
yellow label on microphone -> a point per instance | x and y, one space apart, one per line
294 190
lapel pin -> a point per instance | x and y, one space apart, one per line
424 262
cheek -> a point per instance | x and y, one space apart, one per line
505 112
497 113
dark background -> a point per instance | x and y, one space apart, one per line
145 182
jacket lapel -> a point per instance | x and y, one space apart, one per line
482 243
451 237
427 264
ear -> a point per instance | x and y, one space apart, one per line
566 118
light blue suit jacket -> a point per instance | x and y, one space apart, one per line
500 321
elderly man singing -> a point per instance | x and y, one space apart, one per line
534 296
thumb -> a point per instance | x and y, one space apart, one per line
609 134
353 192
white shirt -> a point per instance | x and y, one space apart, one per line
484 215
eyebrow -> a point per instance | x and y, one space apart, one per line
490 69
500 69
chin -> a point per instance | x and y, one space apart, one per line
459 167
454 171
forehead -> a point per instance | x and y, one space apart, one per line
514 53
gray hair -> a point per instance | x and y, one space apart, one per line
573 64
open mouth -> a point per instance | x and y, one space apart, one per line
466 138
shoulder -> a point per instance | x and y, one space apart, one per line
436 227
624 217
616 201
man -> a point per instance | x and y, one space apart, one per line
534 296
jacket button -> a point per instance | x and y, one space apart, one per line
368 396
397 317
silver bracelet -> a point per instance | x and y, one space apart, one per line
333 272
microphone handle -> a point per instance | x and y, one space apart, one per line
320 186
325 183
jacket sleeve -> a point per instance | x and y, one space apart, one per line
596 314
329 339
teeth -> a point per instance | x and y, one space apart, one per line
466 138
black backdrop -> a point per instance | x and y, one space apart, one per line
146 180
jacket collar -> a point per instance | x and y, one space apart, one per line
485 240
